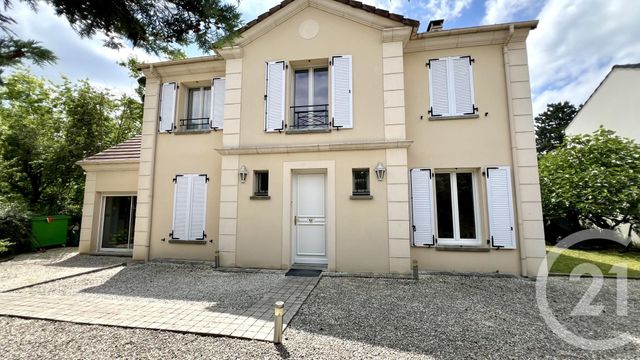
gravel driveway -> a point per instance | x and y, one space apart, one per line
444 317
27 269
166 282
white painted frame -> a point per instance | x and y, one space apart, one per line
456 240
289 168
99 247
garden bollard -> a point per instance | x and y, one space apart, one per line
277 330
217 259
414 267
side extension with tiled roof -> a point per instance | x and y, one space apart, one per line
356 4
127 151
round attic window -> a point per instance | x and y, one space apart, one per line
309 29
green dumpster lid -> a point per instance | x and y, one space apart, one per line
55 217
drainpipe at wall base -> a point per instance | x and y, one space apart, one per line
514 150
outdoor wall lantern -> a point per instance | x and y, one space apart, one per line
380 171
243 173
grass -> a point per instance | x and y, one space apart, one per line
603 259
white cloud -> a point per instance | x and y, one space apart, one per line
78 58
500 11
250 9
575 45
444 9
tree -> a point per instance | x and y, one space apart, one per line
156 26
595 176
551 123
14 51
31 125
46 128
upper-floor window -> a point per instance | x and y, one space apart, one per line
202 109
451 87
198 109
312 105
310 108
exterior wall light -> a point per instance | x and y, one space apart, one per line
380 171
243 172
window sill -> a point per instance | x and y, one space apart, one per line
307 131
259 197
361 197
192 132
188 242
455 117
462 248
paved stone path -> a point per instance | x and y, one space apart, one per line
255 322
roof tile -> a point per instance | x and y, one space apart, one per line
128 150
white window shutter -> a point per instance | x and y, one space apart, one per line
217 103
462 85
181 206
167 106
198 207
500 203
439 87
275 77
341 92
422 207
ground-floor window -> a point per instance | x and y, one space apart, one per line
118 222
456 208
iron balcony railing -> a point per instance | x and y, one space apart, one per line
310 116
192 124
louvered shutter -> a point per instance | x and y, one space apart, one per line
439 87
197 216
167 106
341 92
217 103
181 206
274 96
422 207
500 203
462 85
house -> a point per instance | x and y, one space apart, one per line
611 105
332 134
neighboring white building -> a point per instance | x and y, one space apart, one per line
613 105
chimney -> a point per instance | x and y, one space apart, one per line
435 25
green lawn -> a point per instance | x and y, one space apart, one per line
604 259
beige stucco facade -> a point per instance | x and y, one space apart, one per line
390 126
116 178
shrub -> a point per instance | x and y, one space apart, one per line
15 226
592 180
4 245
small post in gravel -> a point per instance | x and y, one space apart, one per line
414 267
217 259
277 330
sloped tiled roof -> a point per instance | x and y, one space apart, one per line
355 4
125 151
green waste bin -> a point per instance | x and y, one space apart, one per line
49 230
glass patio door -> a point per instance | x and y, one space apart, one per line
118 222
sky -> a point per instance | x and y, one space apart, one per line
573 48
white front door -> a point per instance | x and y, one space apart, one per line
310 245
